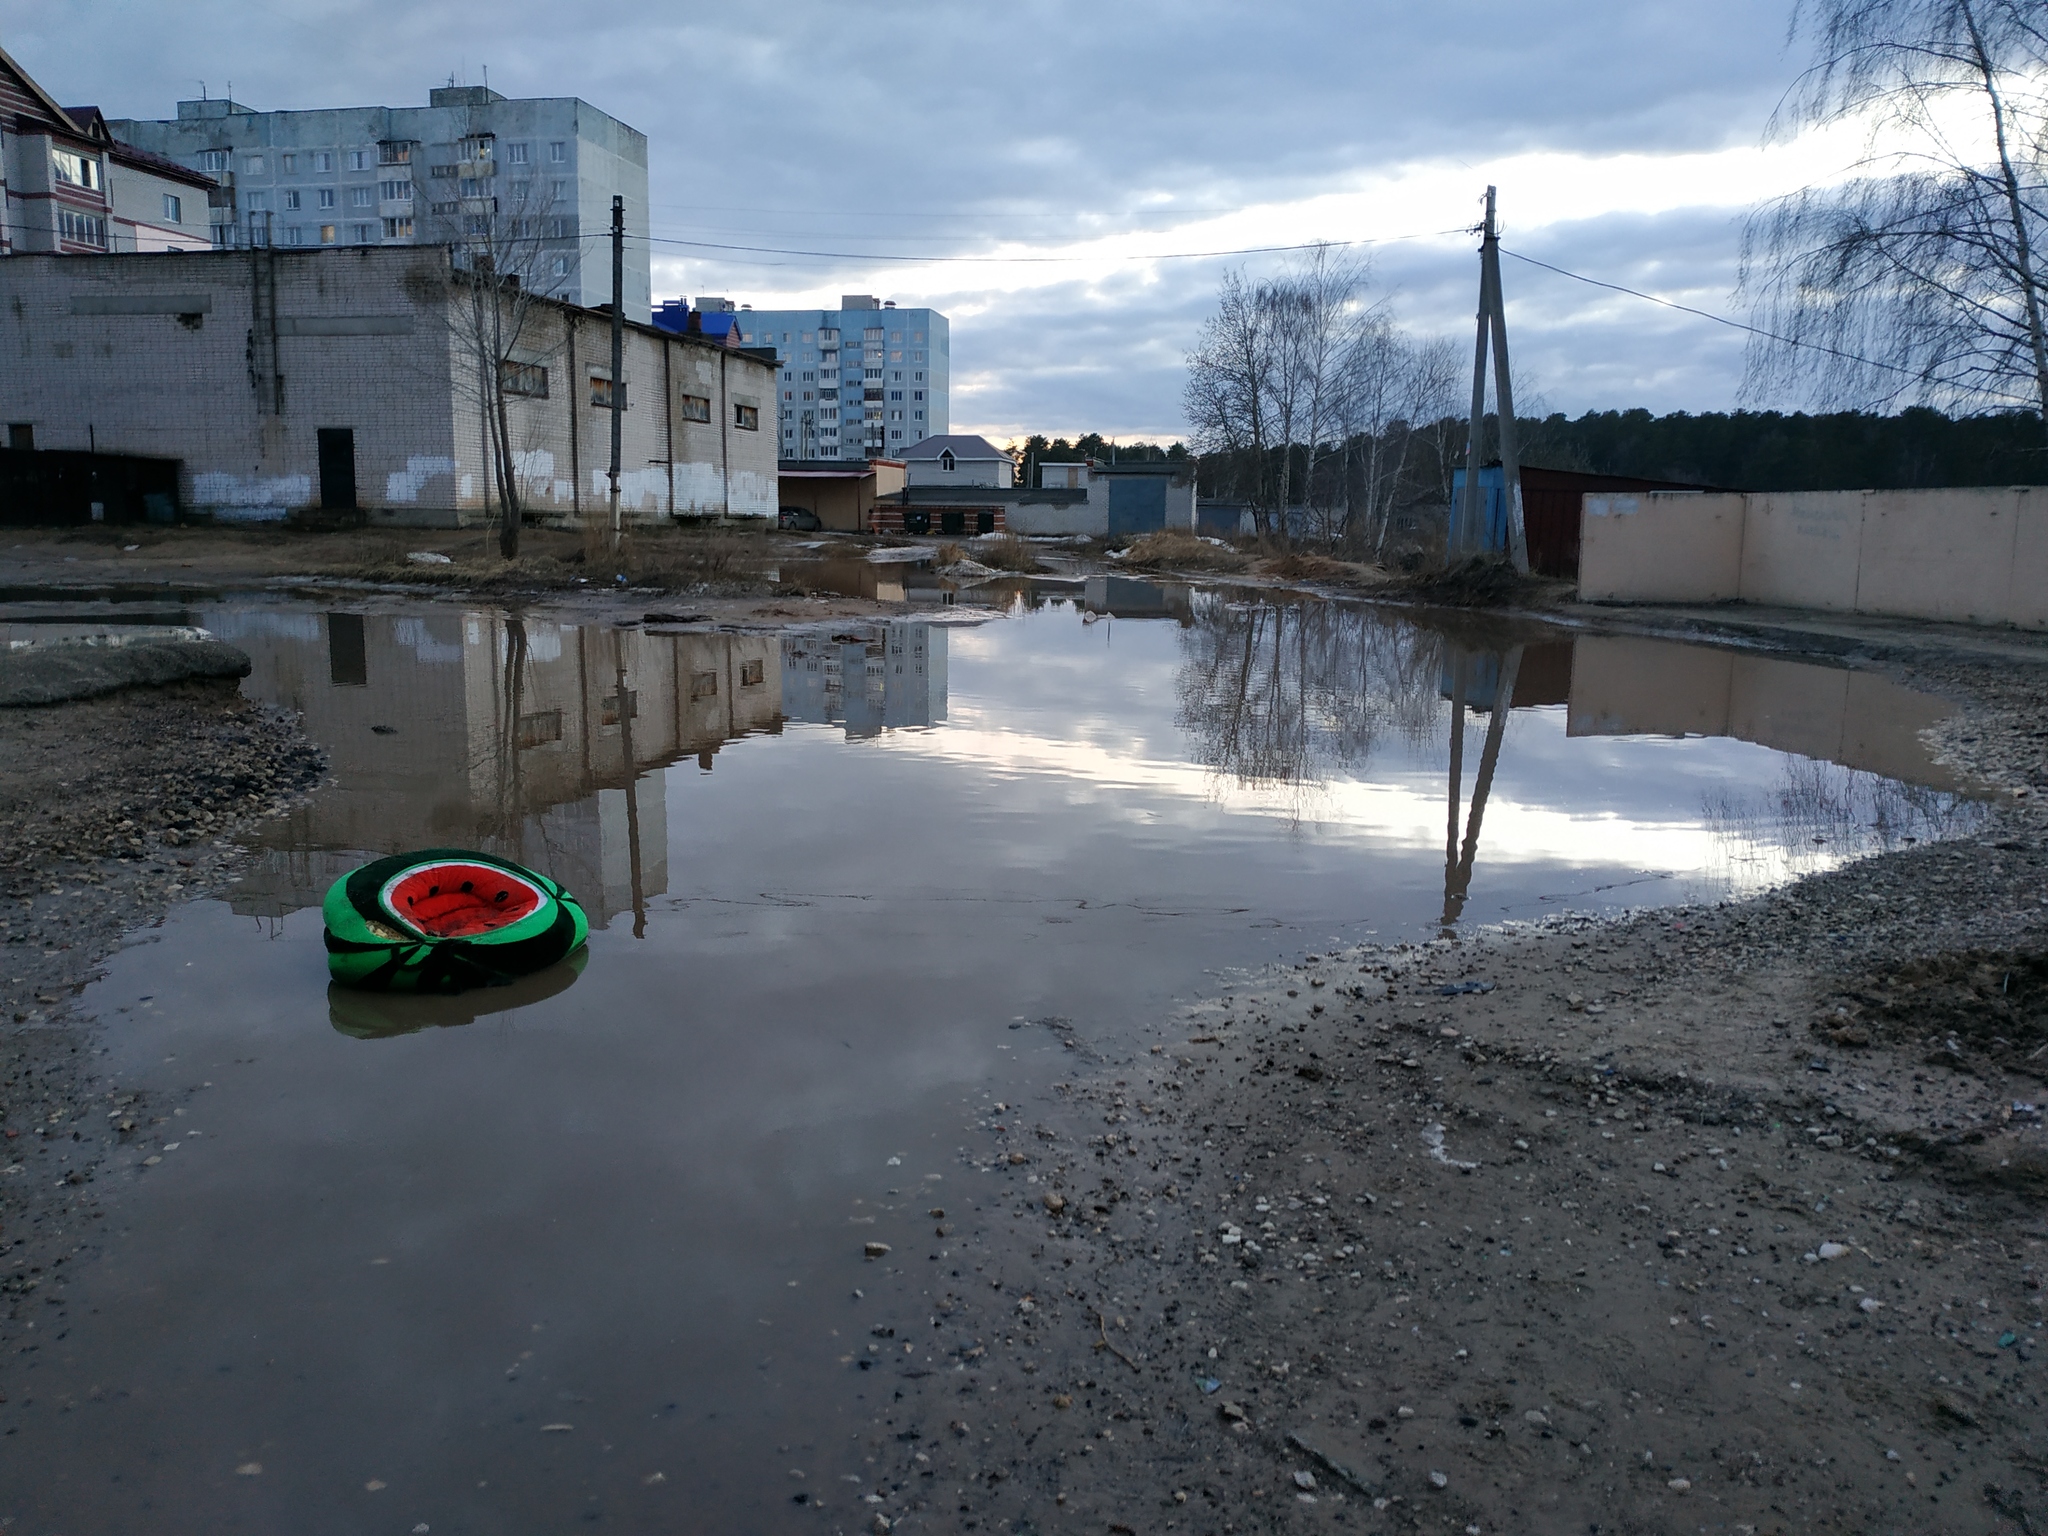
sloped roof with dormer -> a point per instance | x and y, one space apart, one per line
962 445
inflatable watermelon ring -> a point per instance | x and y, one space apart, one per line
446 920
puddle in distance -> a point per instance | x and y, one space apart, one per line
834 877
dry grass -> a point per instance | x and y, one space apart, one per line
1302 566
1483 581
948 554
1007 552
1175 549
674 560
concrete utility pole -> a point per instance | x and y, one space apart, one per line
1493 326
618 353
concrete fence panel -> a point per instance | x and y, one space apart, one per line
1938 559
1802 550
2027 606
1684 545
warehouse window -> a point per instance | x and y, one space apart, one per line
704 685
524 379
601 393
750 674
747 418
696 408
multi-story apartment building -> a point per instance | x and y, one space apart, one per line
68 185
536 176
865 380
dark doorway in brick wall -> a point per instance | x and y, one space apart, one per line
337 469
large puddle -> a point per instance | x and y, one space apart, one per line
835 878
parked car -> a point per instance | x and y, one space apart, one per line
797 520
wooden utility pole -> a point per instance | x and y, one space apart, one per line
1493 326
618 352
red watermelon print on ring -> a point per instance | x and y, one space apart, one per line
446 920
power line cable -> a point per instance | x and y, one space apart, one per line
1250 250
1790 341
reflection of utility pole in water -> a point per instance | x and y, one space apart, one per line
511 786
1458 862
624 703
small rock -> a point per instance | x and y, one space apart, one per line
1055 1203
374 1485
1832 1251
875 1250
1404 1413
958 1426
1231 1411
1438 1480
1537 1417
428 557
1679 1484
1063 1401
1306 1481
249 1469
556 1429
1871 1304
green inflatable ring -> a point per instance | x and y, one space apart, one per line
446 920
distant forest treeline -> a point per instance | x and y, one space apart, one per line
1767 451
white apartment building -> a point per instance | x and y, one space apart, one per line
471 163
865 380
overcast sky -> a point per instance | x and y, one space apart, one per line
1625 139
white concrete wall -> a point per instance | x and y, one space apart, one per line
1976 555
149 354
1088 517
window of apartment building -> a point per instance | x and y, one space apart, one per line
395 191
174 209
895 394
287 164
896 356
215 160
917 355
917 336
917 394
361 197
75 170
392 153
361 234
473 186
476 224
523 379
695 408
327 234
323 159
811 377
558 152
789 394
896 337
478 146
896 377
327 197
919 376
398 229
517 153
82 228
917 415
359 159
295 236
253 166
256 202
558 190
787 375
828 337
291 198
601 393
747 418
872 335
896 436
562 270
520 190
441 210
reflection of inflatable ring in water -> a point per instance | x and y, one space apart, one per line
382 1016
446 920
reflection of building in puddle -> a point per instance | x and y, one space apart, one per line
868 677
527 738
1629 687
1126 597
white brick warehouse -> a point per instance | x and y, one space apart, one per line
245 365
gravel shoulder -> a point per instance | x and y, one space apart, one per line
111 809
1727 1218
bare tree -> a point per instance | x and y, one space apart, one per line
1230 382
504 234
1920 276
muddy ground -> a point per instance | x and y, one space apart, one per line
1720 1219
1723 1219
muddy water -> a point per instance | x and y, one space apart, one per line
587 1251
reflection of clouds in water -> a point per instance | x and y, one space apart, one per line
1818 816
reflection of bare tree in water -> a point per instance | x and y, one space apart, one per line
1294 696
1819 814
1291 696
